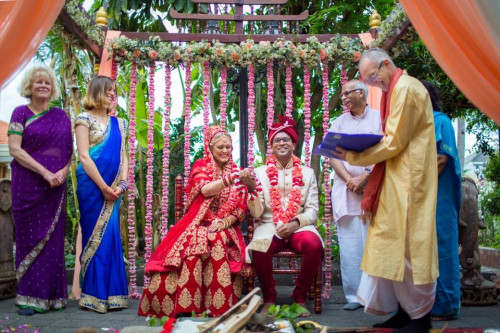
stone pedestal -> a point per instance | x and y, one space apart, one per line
8 281
485 294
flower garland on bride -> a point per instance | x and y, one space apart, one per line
284 214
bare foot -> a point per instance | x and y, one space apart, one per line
265 308
305 314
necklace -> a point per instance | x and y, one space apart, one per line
283 214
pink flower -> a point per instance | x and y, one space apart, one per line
357 56
153 54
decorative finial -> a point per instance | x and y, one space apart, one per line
101 17
375 20
97 66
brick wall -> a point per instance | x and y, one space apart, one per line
490 257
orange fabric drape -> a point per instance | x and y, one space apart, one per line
24 24
465 42
374 93
106 62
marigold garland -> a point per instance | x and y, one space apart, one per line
206 88
131 180
280 213
307 115
148 231
223 97
288 90
270 100
187 125
326 186
166 152
251 115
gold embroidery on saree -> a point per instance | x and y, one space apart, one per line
219 299
208 274
218 251
33 254
238 286
184 278
155 305
171 282
208 299
198 272
185 298
145 304
39 304
99 305
167 306
223 275
155 283
197 298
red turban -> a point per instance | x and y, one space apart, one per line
286 125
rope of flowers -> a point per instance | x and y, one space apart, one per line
187 125
148 230
114 74
270 100
288 90
206 87
223 97
343 80
166 152
251 115
326 186
131 180
307 114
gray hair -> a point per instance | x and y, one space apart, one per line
34 73
360 85
218 136
376 55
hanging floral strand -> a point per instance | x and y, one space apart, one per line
307 114
270 100
223 97
166 152
149 175
343 80
114 74
288 90
251 115
206 89
326 186
131 180
187 125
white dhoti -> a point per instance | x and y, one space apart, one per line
381 296
351 235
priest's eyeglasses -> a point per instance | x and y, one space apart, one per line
348 92
373 77
282 139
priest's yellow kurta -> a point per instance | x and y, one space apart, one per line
406 213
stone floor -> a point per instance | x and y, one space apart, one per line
73 317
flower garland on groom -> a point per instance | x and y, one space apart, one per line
284 202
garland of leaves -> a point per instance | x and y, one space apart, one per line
338 49
390 25
81 18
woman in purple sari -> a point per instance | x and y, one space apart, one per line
40 141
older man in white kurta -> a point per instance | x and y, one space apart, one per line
286 209
348 187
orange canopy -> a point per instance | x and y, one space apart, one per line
464 38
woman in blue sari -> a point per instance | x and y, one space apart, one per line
447 304
101 177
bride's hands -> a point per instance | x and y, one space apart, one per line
247 179
216 226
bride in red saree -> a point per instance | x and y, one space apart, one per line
198 265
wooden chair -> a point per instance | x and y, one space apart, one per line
278 268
